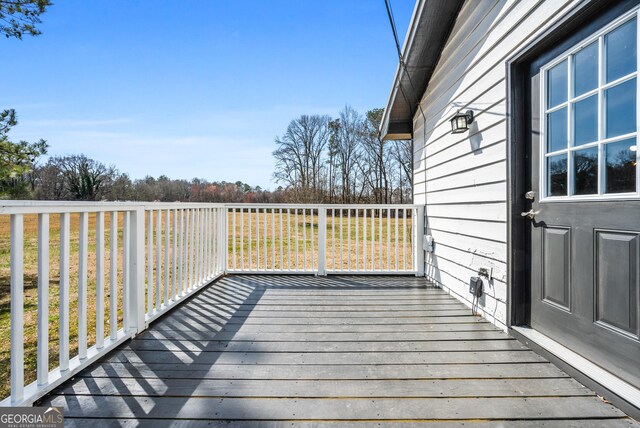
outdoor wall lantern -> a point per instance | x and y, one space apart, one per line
461 121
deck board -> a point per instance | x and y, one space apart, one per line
120 370
274 351
344 358
546 423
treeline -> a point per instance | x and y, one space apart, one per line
80 178
319 159
343 160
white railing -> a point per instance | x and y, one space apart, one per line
186 246
324 239
121 265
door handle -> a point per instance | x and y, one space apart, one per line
531 214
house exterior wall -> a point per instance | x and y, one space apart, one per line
462 178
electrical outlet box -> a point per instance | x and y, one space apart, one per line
427 243
475 286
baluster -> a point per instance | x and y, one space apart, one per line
201 245
113 276
167 236
196 248
192 250
341 230
250 261
207 260
149 262
357 214
273 240
333 239
158 258
304 238
233 237
404 237
313 248
289 238
380 235
65 220
265 231
388 239
184 243
322 241
396 235
373 240
242 238
281 243
364 239
43 299
100 280
83 255
174 257
349 239
126 251
257 238
297 244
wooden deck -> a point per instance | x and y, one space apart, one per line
285 351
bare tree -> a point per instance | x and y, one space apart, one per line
299 155
376 151
49 182
84 178
347 161
402 152
349 133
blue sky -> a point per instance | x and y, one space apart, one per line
196 88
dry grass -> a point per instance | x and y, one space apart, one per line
291 242
341 254
31 290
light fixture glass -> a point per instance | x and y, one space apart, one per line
460 122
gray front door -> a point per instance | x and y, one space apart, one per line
585 200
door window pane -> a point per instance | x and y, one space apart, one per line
557 84
585 69
590 101
620 108
585 121
557 175
620 48
621 166
585 170
557 130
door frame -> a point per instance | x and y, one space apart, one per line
572 25
578 22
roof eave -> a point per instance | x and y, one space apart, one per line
429 29
408 41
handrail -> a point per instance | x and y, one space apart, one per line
149 256
35 207
316 206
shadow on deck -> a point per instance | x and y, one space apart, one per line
278 351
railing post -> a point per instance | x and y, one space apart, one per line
322 241
418 234
225 240
136 320
222 241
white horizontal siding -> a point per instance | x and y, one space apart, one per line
490 211
493 192
461 178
